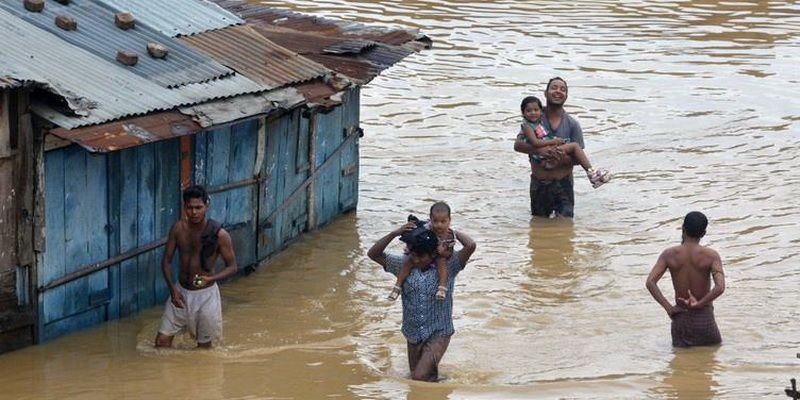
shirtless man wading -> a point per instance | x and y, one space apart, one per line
691 267
194 303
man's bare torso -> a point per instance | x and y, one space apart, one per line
189 243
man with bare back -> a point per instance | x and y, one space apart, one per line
194 302
691 267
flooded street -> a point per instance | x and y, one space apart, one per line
692 106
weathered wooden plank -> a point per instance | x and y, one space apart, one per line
168 203
128 206
114 199
77 224
348 184
96 205
285 161
146 225
268 190
200 158
8 236
53 263
24 170
217 170
241 206
329 127
289 228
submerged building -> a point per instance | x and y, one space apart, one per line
108 108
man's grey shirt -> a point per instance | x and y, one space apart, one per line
423 316
569 128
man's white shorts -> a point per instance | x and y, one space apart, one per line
201 315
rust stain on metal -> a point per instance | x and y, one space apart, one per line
131 132
255 56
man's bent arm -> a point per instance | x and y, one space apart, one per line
226 251
469 247
521 146
719 283
652 284
377 252
166 268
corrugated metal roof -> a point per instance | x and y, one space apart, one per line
132 132
261 14
356 50
349 47
97 34
96 90
362 66
136 131
252 54
162 99
178 17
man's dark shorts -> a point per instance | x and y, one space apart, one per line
552 195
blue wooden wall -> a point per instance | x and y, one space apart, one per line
99 206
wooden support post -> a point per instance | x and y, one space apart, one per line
312 162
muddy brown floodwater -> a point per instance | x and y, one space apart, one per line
693 105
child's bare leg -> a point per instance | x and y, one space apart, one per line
405 271
578 156
441 268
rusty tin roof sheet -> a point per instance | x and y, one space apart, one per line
253 55
136 131
361 61
178 17
97 34
261 14
356 50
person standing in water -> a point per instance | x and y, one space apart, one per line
692 267
427 322
551 190
194 302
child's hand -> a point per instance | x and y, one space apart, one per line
558 141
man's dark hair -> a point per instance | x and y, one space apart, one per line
557 78
694 224
529 100
440 206
195 192
424 243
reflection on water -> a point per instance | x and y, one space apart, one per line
692 105
691 375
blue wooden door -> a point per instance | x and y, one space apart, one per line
283 204
144 203
76 235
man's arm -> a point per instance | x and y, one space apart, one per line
469 247
652 285
226 251
166 268
377 252
521 146
577 133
